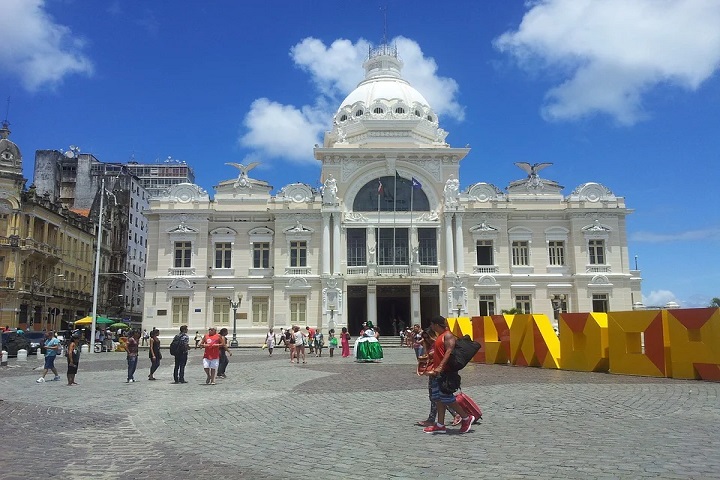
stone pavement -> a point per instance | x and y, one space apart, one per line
333 418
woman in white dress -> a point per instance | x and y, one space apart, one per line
367 347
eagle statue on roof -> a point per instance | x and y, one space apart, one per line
243 181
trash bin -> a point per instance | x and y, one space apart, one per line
22 355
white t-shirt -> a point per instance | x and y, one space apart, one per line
298 338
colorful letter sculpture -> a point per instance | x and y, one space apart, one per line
694 336
497 338
636 342
584 342
478 334
533 342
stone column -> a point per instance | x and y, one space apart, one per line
371 303
336 243
449 255
325 248
459 245
415 302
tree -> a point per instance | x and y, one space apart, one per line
512 311
715 302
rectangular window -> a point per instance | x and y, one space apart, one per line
260 309
223 255
180 310
487 305
522 303
221 311
298 310
427 246
261 255
596 249
600 302
182 254
298 254
356 247
556 253
392 246
520 253
484 250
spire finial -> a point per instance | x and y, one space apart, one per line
384 10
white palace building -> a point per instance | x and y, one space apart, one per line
390 235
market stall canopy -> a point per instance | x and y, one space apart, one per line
98 321
119 325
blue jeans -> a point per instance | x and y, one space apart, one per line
179 371
132 365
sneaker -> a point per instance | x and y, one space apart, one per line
435 429
132 380
40 380
57 377
466 424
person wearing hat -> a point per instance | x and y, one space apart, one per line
444 345
367 347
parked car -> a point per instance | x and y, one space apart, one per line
12 342
36 339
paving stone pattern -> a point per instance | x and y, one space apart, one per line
336 419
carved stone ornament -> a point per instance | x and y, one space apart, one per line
186 193
183 228
355 217
592 192
181 284
484 192
297 193
329 191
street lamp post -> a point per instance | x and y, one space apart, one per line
235 306
459 309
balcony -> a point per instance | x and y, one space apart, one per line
393 270
298 270
357 270
597 269
429 269
181 272
483 269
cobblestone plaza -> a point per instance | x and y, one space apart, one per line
334 418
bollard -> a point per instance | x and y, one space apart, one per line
85 348
4 358
22 355
40 355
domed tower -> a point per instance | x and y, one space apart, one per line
11 178
385 110
390 199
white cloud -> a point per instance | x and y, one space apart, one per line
287 131
613 51
35 49
658 298
711 234
283 131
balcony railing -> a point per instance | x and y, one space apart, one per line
358 270
429 270
297 270
597 269
181 272
479 269
393 270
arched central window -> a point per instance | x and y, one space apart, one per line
385 195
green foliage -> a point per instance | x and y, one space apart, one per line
512 311
715 302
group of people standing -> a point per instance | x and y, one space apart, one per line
52 348
296 341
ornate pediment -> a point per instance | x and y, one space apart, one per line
485 192
183 228
296 192
186 193
592 192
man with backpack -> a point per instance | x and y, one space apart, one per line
442 376
179 349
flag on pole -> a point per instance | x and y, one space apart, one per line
416 184
380 188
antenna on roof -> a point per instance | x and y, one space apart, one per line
7 111
384 10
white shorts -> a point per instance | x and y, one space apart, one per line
207 363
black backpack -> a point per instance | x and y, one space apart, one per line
175 345
465 350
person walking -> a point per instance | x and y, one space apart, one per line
443 348
154 353
319 343
270 341
425 362
211 358
198 338
145 337
299 344
51 346
224 353
132 355
181 355
345 342
73 358
332 341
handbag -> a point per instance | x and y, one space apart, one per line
449 382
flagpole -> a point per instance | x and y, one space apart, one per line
394 213
412 192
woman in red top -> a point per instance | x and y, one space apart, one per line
211 359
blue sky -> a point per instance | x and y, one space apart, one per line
626 94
